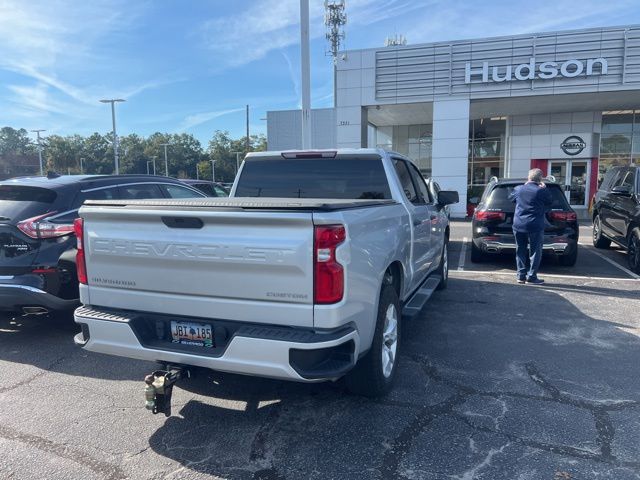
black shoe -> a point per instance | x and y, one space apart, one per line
534 281
521 280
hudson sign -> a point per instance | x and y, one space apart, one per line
532 70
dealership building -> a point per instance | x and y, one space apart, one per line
567 102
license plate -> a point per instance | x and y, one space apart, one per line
189 333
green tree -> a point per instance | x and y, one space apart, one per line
63 153
97 155
15 142
225 152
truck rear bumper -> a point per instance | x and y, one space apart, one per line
274 352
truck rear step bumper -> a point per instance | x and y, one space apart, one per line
274 352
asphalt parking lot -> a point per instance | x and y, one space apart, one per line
496 381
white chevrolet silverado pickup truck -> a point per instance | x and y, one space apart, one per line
302 274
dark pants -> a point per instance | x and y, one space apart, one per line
534 240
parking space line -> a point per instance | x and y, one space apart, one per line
463 254
550 275
615 264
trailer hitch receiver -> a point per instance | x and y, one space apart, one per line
159 387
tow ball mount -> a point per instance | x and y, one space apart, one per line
159 387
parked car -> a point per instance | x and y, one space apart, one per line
492 223
210 189
616 212
307 284
37 242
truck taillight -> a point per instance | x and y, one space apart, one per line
328 273
81 266
38 227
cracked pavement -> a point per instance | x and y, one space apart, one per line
496 380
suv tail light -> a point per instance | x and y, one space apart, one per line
37 227
563 216
81 266
328 273
489 215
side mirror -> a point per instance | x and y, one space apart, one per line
447 197
621 190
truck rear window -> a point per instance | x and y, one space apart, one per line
499 198
331 178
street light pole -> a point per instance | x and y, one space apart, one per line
237 161
166 163
213 170
40 150
115 135
81 166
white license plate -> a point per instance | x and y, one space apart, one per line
190 333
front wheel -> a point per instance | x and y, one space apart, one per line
374 373
599 240
633 250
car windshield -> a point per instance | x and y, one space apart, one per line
499 198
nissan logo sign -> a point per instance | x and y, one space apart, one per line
573 145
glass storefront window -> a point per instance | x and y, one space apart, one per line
486 150
414 141
619 140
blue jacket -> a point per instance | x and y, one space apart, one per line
532 202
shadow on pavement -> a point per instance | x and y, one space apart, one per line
485 373
46 342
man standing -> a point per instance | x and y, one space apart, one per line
532 202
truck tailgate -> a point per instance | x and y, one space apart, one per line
252 266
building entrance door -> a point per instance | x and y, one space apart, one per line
574 176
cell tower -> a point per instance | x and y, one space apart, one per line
334 19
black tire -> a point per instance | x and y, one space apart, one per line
599 241
368 378
570 259
633 250
477 255
443 270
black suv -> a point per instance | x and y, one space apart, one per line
616 212
37 244
492 224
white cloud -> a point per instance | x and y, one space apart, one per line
458 19
199 118
275 24
50 41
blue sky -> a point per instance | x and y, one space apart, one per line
191 66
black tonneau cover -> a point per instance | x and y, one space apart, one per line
246 203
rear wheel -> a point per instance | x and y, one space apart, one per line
443 271
374 373
599 241
633 250
477 255
570 259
